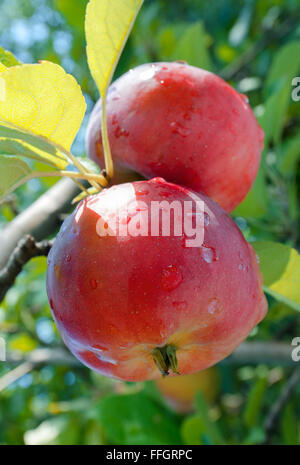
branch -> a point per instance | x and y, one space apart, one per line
276 408
270 34
15 374
40 220
273 353
26 249
36 358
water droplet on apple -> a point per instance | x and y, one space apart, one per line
148 74
245 98
177 128
243 267
213 306
209 254
171 278
68 258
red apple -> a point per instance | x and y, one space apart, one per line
184 124
130 305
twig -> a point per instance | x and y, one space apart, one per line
242 61
35 359
26 249
276 408
40 220
15 374
273 353
246 353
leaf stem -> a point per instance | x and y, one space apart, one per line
109 167
98 178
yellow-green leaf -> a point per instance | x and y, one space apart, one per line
8 59
22 342
108 24
12 170
280 267
43 99
16 141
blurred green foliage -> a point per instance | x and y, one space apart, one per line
256 46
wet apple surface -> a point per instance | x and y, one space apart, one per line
134 305
184 124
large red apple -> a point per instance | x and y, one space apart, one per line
130 305
184 124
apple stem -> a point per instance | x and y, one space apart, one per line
165 359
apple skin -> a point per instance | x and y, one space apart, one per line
184 124
115 299
179 391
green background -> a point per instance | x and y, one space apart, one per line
255 45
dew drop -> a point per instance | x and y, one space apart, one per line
244 98
213 306
171 278
148 74
68 258
209 254
177 128
243 267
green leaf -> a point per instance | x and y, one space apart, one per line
289 155
211 429
254 402
21 142
274 112
277 90
108 24
12 169
280 267
285 66
22 342
192 47
137 419
193 431
59 430
289 425
255 204
44 100
73 11
8 59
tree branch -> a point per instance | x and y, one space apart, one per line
276 408
273 353
26 249
40 220
270 34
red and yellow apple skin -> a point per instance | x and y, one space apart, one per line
184 124
115 299
179 391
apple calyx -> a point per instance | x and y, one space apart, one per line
165 359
